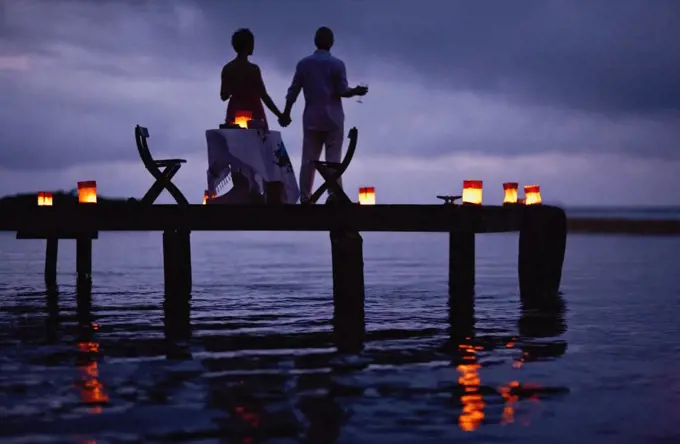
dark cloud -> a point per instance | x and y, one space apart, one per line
605 72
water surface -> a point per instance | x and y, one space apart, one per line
253 358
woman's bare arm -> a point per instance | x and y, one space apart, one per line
225 93
268 102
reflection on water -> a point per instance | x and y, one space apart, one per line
534 323
473 403
92 391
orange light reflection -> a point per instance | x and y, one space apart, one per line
472 413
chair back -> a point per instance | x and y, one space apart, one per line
353 136
141 135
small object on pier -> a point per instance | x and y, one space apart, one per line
164 177
532 195
241 118
472 192
207 196
521 201
367 196
44 199
449 199
348 290
510 193
332 171
87 192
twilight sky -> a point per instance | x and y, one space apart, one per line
580 96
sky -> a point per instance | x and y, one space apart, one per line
579 96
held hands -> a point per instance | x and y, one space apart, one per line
284 120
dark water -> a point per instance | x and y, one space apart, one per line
256 361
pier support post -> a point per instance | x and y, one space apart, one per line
348 290
461 271
542 244
84 260
177 262
51 254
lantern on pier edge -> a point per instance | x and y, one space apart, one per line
44 199
87 192
472 192
367 196
241 118
207 196
532 195
510 193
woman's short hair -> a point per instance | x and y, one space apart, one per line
242 40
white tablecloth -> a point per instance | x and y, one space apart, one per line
258 154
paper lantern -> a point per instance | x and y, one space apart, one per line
510 193
241 118
367 196
45 199
87 192
472 192
207 196
532 195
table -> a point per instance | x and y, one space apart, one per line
259 155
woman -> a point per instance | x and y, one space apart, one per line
242 82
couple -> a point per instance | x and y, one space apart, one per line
323 79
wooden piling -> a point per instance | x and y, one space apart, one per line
177 262
348 290
51 254
542 245
461 271
84 260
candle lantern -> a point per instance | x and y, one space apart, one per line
241 118
510 193
207 196
367 196
472 192
532 195
41 198
87 192
47 199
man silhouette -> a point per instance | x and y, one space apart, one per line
323 79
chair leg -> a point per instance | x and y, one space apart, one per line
164 182
330 184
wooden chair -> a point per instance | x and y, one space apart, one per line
163 177
332 171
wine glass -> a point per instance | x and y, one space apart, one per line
363 85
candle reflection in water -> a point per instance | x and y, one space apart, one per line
472 413
92 391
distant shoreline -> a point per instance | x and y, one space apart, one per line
623 226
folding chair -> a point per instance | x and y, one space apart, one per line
331 172
163 177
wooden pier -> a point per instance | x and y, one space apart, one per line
542 241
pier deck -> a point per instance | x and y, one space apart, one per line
137 217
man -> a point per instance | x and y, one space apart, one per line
323 79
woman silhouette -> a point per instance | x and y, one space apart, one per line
242 82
